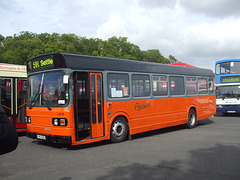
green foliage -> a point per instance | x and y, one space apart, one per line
154 55
19 48
172 59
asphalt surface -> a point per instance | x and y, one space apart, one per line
209 151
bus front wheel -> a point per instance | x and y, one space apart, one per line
119 130
192 119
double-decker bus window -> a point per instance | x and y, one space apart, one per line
228 92
191 85
177 85
230 67
202 86
141 85
160 86
235 67
118 85
218 69
225 68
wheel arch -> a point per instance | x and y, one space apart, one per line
117 115
193 107
192 119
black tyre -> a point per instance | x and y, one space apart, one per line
192 119
119 130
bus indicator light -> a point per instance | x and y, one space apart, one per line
62 122
27 119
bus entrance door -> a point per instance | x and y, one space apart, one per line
96 105
88 106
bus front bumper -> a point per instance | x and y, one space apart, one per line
228 108
50 138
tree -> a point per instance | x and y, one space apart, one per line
172 59
154 55
19 48
2 40
121 48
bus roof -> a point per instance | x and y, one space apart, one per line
12 70
226 60
77 62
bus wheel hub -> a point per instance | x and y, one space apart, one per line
118 128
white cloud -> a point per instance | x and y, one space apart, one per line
198 33
190 37
158 3
219 39
214 8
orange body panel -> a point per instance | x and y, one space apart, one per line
142 115
151 114
41 121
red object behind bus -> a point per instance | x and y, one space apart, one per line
183 64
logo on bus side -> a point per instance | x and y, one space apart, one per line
141 106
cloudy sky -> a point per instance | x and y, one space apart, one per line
195 32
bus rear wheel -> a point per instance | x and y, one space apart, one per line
119 130
192 119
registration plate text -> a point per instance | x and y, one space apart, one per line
41 137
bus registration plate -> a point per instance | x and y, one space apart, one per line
231 111
41 137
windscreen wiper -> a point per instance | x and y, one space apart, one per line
46 102
223 97
35 99
236 96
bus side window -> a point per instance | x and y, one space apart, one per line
141 85
191 85
202 86
177 85
118 85
160 86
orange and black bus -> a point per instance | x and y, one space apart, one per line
13 93
78 99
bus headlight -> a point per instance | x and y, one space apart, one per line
55 122
59 122
27 119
